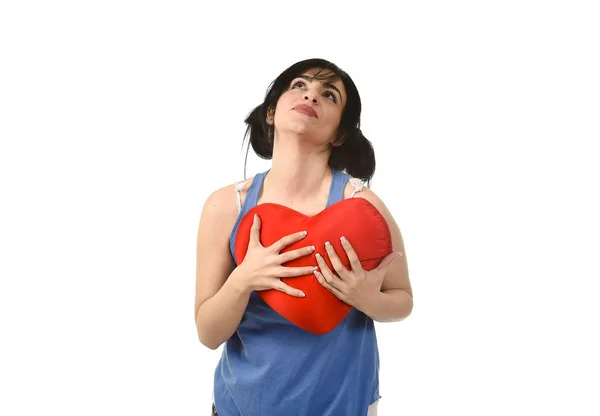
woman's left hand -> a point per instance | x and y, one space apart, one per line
356 286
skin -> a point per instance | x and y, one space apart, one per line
300 179
299 175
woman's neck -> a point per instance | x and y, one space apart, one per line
298 172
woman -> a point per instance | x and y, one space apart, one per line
309 126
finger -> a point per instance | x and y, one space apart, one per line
285 271
287 240
321 279
335 260
387 260
294 254
355 264
282 287
255 231
326 272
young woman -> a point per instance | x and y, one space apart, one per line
309 125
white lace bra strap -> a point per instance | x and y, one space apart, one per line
239 186
358 185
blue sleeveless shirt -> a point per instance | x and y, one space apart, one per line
271 367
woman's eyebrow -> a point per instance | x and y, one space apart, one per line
326 85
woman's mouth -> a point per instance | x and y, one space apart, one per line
305 109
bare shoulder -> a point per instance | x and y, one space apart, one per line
362 191
222 203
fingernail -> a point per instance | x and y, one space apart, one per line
305 232
342 239
327 244
312 248
318 256
302 294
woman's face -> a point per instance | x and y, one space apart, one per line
311 108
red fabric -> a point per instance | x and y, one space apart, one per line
354 218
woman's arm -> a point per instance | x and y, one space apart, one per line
220 303
395 301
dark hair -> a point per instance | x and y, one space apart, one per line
355 156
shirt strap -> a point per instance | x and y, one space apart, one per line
239 186
358 185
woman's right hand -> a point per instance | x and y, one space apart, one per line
262 267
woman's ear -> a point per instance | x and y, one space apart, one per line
270 116
338 141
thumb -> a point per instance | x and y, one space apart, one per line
387 260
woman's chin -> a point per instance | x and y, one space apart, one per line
298 128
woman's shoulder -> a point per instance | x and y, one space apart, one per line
223 200
357 188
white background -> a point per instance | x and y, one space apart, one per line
118 118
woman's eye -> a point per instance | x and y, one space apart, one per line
328 94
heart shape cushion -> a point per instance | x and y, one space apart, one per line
354 218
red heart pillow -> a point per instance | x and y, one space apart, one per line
355 218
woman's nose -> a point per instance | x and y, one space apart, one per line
310 95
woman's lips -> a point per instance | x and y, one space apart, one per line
304 109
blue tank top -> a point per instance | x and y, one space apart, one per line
271 367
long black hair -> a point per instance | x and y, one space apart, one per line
355 155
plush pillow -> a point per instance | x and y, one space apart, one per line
355 218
